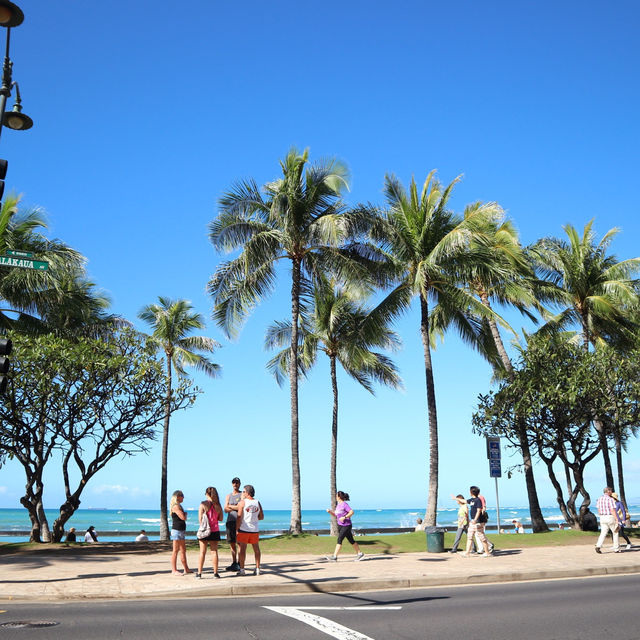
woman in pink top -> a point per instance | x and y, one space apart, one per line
210 506
343 513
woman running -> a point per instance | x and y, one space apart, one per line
210 506
343 515
178 532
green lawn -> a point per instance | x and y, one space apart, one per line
323 545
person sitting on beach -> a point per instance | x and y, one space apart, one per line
71 536
517 525
91 536
419 525
142 536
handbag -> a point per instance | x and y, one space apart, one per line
204 530
483 517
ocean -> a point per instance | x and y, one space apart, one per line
130 520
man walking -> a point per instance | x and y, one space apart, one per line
247 532
475 526
608 519
231 509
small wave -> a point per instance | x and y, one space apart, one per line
305 523
413 513
149 520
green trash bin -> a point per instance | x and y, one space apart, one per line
435 539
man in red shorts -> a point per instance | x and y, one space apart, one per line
249 513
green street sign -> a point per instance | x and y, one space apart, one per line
25 263
19 254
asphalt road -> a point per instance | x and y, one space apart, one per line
576 609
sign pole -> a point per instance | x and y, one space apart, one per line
495 467
498 505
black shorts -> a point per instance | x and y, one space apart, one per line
231 531
214 536
345 532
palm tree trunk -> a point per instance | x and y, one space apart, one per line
334 445
430 515
296 509
621 493
597 422
164 523
538 524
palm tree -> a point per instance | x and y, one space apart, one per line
76 308
29 292
299 219
505 278
593 290
341 327
430 246
172 321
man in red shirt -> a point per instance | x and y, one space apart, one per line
608 520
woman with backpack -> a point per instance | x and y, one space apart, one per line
212 511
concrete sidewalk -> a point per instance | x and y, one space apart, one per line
40 576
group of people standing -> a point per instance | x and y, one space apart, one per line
242 528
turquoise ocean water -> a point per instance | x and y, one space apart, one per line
125 520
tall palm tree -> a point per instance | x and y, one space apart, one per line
172 321
594 292
430 246
339 325
299 219
504 278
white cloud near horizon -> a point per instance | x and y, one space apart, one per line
118 489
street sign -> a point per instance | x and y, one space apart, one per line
25 263
493 448
19 254
495 469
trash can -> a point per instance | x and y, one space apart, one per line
435 539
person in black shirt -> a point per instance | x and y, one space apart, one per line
475 525
178 530
71 536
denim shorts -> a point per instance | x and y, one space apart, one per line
177 535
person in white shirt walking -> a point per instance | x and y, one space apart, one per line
608 519
247 526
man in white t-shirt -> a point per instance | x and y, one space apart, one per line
247 528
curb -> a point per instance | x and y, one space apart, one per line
340 586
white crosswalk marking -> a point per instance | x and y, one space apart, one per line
329 627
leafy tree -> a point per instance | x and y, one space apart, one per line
82 402
347 332
172 321
431 249
594 292
298 219
554 392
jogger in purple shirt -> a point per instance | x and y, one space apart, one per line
343 513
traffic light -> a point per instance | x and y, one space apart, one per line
3 172
5 349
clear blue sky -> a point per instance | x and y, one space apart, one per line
146 111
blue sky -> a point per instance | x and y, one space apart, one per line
145 112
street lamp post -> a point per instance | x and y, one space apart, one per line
11 16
